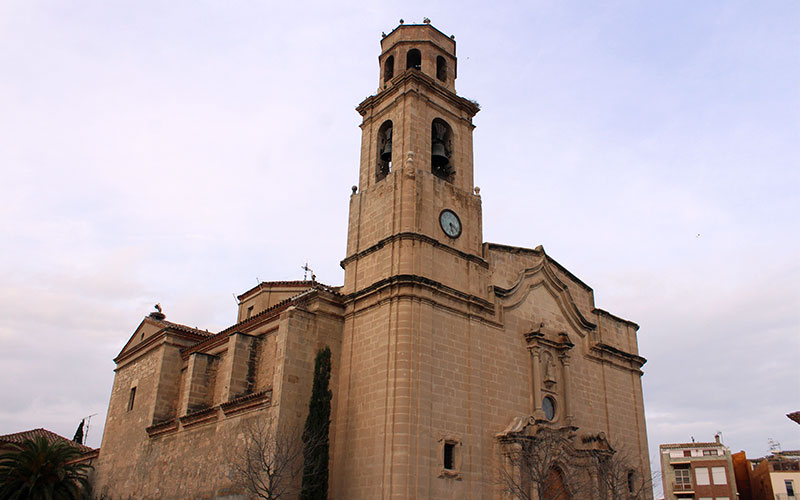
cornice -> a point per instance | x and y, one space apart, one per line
601 312
603 349
539 251
416 76
415 280
154 341
527 281
409 235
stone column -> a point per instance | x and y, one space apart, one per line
567 387
538 414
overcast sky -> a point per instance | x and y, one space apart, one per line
177 152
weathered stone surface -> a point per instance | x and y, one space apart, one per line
439 344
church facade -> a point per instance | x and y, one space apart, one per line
447 352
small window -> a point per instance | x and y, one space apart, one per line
441 68
631 481
450 456
789 487
249 312
131 398
687 453
414 59
141 337
707 453
701 475
388 69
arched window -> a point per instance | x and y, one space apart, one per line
414 59
384 150
441 68
388 69
441 149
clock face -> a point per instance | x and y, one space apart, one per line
451 224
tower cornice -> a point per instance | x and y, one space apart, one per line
415 76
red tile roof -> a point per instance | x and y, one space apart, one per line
52 437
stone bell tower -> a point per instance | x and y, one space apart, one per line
416 177
414 275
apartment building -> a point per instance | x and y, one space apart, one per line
701 471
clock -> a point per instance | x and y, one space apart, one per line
451 224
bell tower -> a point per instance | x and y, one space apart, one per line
415 275
416 198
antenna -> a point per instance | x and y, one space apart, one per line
235 298
774 446
86 432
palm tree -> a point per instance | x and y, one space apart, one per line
39 469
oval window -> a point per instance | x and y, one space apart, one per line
549 407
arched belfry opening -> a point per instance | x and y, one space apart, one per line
414 59
388 69
441 149
384 150
441 68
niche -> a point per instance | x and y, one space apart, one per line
441 68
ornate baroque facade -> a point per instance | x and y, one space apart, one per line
446 349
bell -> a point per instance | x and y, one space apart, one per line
439 154
386 151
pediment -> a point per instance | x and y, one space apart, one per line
146 330
533 280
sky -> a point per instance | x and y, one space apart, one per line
179 152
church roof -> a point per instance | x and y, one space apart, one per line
311 286
52 437
182 328
264 285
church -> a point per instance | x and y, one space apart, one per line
448 353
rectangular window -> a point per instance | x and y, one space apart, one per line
705 498
450 456
708 453
131 398
683 480
718 473
723 498
701 475
687 453
789 487
249 312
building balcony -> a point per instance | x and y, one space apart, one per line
682 487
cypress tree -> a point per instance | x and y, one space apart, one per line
315 433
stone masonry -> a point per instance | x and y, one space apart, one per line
445 349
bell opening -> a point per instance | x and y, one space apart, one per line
384 150
441 150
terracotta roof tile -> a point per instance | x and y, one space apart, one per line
52 437
183 328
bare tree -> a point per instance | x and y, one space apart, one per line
619 478
544 465
269 463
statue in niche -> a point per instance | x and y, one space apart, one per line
549 370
